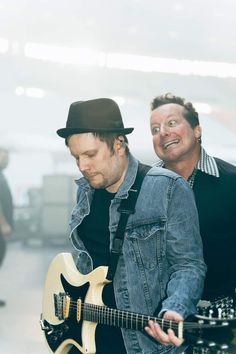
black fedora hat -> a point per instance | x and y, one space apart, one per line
98 115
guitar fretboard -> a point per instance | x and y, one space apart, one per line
114 317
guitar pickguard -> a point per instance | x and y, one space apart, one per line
70 328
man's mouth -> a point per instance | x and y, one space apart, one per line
89 176
170 143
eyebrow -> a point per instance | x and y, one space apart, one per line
86 152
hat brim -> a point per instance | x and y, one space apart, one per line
65 132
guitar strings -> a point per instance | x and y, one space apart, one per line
120 315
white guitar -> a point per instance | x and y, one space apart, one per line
72 307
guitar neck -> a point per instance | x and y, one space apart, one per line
114 317
130 320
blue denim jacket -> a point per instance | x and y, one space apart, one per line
161 265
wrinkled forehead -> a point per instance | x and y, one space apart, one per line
167 110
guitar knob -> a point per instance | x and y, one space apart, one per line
211 344
224 349
200 342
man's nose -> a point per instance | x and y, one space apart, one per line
82 164
164 130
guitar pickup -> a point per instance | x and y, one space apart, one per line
62 306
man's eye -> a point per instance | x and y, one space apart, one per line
172 123
91 155
155 130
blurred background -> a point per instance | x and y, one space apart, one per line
55 52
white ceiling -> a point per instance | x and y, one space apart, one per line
182 29
196 30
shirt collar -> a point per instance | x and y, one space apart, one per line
205 164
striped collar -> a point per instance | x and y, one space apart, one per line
206 164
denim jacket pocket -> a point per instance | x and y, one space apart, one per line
147 243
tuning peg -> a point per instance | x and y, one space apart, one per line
231 313
219 313
210 313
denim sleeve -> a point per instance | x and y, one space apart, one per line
184 254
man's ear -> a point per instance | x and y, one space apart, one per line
120 142
198 132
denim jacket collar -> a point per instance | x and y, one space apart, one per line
123 190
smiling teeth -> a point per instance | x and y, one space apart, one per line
166 145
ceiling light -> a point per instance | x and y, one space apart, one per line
89 57
19 91
81 56
171 65
34 92
30 92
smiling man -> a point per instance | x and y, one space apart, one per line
176 135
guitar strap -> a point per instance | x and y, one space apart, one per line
127 207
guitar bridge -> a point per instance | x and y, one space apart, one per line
62 306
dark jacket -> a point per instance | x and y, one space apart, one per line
216 203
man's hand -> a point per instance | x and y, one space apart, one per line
165 338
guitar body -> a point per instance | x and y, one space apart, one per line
73 306
63 277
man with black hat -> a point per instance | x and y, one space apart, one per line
160 268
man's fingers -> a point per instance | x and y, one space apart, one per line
165 338
156 332
173 338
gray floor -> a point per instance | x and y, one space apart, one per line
21 285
